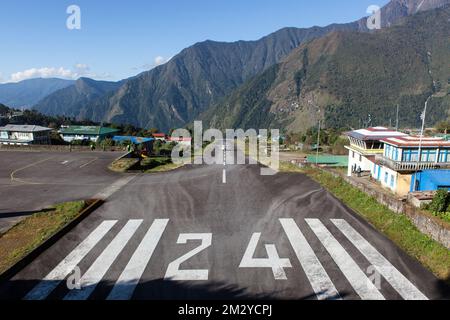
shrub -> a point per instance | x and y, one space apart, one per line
440 201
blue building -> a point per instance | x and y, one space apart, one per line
411 164
431 180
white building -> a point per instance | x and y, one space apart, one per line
365 145
24 135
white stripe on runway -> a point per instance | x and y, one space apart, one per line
317 276
66 266
99 268
128 280
116 186
397 280
357 278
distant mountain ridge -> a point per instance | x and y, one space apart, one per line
72 101
28 92
174 94
349 78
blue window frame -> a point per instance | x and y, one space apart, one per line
428 155
444 155
386 177
392 180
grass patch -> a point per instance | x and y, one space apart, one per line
396 227
122 165
158 164
30 233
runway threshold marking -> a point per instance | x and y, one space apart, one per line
129 279
357 278
397 280
66 266
315 272
98 269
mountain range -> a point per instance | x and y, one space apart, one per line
350 79
282 79
27 93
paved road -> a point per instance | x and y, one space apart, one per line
31 181
187 235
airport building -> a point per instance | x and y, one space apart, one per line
86 133
365 145
400 162
12 134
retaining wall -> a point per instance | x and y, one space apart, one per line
424 221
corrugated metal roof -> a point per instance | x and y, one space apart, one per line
24 128
375 133
87 130
410 141
330 160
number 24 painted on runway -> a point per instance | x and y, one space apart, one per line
273 260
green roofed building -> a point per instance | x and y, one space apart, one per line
329 160
86 133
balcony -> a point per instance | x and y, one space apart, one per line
402 166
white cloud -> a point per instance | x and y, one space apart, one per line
45 72
79 70
159 60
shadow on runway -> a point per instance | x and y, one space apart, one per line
22 214
154 290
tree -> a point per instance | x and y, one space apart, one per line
443 126
440 201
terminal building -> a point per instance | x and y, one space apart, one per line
365 145
392 158
12 134
86 133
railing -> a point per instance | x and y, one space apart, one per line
365 151
410 166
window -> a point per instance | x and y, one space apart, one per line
353 154
386 177
443 155
360 158
392 180
410 155
428 155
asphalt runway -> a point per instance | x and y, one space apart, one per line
187 235
32 181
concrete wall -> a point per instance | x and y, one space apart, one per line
60 148
403 184
354 159
424 221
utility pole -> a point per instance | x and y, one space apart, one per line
318 143
397 121
423 116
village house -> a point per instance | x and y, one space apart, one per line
13 134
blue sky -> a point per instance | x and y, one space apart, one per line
119 39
